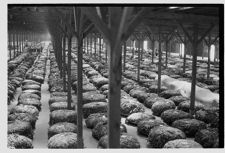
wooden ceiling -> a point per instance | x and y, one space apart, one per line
156 18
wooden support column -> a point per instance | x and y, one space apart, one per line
114 97
133 48
202 52
138 67
29 36
95 41
106 52
100 48
167 47
208 68
9 46
124 56
91 44
64 62
185 53
170 48
17 44
153 50
194 41
142 49
79 93
14 44
159 64
60 55
209 43
194 68
69 98
118 18
81 32
24 35
20 42
87 45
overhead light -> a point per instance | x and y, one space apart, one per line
173 7
185 8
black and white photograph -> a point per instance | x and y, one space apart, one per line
113 75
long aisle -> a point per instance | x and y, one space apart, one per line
41 132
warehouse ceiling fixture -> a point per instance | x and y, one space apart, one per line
173 7
185 8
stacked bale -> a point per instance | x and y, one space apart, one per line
62 123
208 138
101 129
16 73
135 118
22 117
160 135
182 143
144 126
126 141
189 126
16 141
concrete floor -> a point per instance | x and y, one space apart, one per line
41 132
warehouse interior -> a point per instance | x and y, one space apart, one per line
115 76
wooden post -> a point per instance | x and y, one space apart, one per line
22 38
64 62
138 67
167 48
17 44
184 60
159 64
142 49
113 32
78 18
194 68
106 52
202 50
133 48
60 55
171 44
114 97
124 56
10 53
100 48
20 42
14 45
87 45
153 50
91 44
95 40
79 93
69 73
209 43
